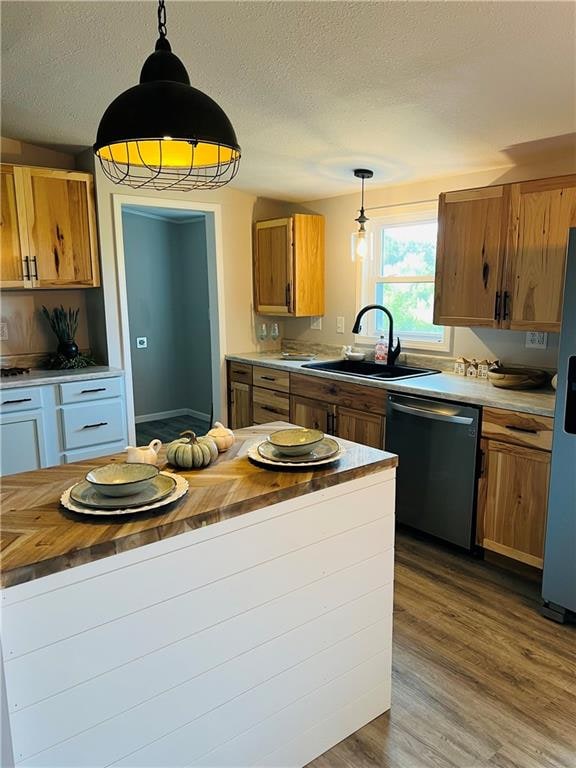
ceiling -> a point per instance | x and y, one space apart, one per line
314 89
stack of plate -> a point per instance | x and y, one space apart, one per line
296 448
118 489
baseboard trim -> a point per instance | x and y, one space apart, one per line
161 415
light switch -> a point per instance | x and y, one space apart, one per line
141 342
339 324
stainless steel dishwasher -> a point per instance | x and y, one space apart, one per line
437 445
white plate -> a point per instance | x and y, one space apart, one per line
179 491
257 458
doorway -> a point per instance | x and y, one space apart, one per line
171 324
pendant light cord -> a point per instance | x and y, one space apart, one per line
162 31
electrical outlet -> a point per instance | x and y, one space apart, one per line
3 331
340 324
316 323
141 342
537 339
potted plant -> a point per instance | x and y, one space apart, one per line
64 324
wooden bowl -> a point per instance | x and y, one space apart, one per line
517 378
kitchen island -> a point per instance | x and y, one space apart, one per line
248 624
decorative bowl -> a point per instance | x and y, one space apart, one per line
121 479
355 355
517 378
296 442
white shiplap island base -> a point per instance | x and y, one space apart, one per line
261 640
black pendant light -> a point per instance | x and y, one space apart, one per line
164 134
361 247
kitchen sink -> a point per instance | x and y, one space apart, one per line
368 370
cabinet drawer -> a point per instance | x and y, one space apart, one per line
92 424
270 378
94 452
91 389
517 428
357 396
21 399
268 405
241 372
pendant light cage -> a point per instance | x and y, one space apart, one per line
163 133
160 176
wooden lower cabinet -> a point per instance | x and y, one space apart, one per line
313 414
268 405
513 496
365 428
239 405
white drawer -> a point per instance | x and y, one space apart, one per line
94 452
20 399
91 389
92 424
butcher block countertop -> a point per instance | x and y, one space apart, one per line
39 537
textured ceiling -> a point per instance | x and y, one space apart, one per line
313 89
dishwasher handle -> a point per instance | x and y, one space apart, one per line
425 414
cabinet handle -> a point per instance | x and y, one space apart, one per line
97 389
13 402
268 378
33 260
288 296
482 463
506 305
269 408
26 261
93 426
331 425
522 429
497 305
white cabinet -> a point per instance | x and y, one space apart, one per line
42 426
22 442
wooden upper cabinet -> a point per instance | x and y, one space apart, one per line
14 270
469 258
541 212
56 224
502 254
289 266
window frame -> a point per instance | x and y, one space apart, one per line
368 277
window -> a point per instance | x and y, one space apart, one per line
400 275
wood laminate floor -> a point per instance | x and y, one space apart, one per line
480 679
169 429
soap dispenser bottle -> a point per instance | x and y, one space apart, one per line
381 350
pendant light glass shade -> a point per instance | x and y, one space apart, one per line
362 240
165 134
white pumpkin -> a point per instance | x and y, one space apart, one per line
222 436
191 452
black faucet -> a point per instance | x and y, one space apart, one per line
393 352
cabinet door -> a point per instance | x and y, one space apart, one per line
365 428
61 228
471 242
14 264
308 265
541 214
22 442
313 414
240 405
513 501
273 273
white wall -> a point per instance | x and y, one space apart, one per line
340 213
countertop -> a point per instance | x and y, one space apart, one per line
445 386
38 376
39 537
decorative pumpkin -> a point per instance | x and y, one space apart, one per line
222 436
191 452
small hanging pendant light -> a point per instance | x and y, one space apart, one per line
362 239
164 134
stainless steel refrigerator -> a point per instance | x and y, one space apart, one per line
559 578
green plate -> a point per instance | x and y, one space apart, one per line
324 450
160 487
